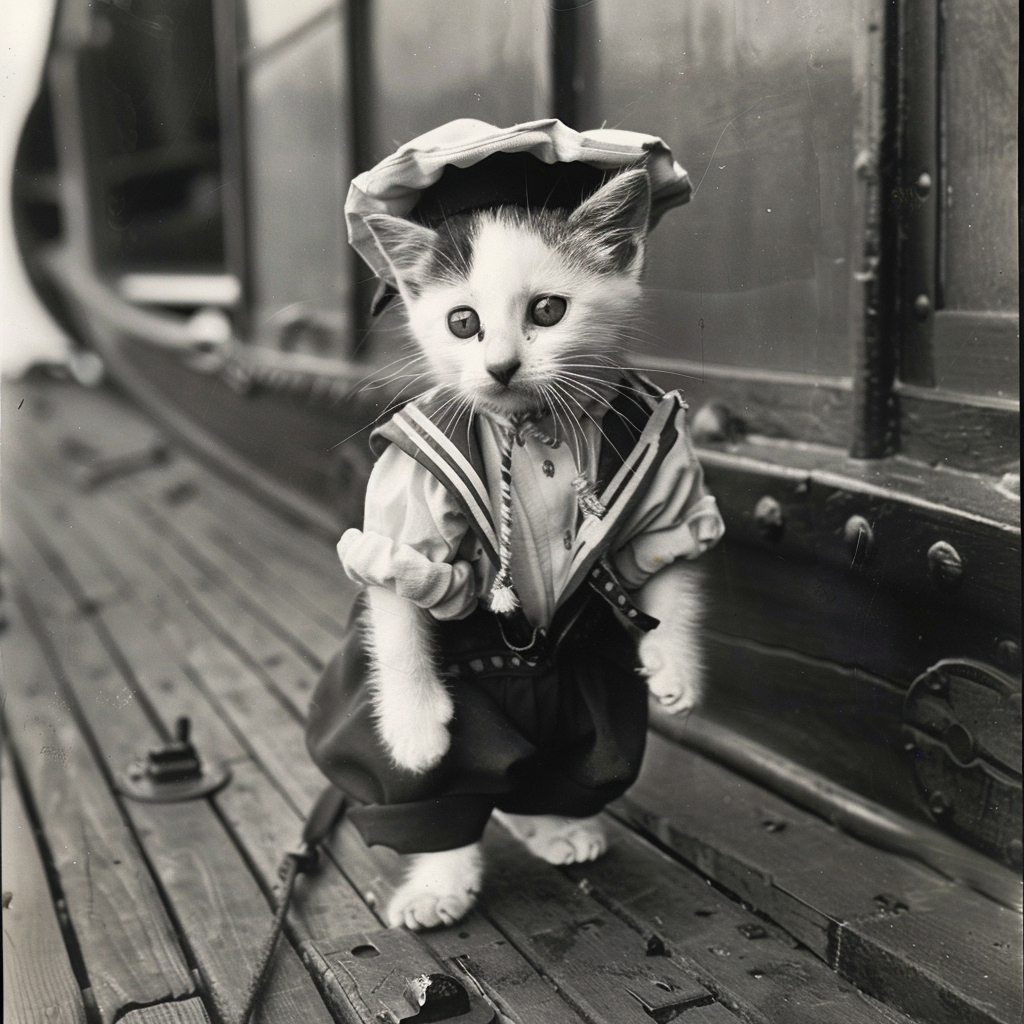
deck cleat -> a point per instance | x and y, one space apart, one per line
173 773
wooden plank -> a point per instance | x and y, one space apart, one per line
191 1011
303 563
797 869
474 948
291 677
223 913
749 964
597 961
156 634
253 646
39 982
216 901
254 588
127 942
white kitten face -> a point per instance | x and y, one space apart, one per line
511 271
517 311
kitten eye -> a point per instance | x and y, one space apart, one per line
548 310
463 322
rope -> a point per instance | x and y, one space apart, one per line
292 866
325 813
504 598
503 595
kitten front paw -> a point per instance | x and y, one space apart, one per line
417 746
674 681
439 889
413 717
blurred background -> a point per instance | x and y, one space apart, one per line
190 158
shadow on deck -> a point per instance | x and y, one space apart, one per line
140 587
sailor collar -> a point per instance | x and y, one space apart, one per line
639 429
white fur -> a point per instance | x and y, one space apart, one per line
557 839
671 654
559 367
439 888
412 705
512 266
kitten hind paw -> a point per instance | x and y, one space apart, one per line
440 889
556 839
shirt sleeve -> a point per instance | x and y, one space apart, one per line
677 517
412 531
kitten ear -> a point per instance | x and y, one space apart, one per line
406 246
615 219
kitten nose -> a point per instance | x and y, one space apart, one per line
504 372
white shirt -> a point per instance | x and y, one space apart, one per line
416 541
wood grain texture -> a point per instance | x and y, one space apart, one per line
296 566
474 948
943 429
797 869
749 964
598 962
254 588
190 1011
216 900
39 983
223 913
156 634
130 950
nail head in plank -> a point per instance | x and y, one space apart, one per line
129 947
473 946
748 963
825 887
39 983
596 960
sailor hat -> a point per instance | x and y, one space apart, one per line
469 165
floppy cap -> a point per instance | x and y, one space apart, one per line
469 164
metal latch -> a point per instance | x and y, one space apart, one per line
173 772
390 977
962 730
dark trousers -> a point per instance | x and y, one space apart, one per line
560 733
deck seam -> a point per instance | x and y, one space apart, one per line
67 928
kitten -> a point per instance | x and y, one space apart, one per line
515 311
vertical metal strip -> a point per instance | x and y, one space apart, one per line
564 54
876 219
918 189
361 81
228 27
573 61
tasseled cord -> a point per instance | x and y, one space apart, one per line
504 599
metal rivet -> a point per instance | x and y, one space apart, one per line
923 185
1015 853
922 307
1008 655
859 538
938 803
945 564
769 518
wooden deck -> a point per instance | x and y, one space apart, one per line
139 588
